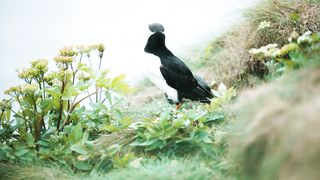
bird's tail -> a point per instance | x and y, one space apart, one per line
201 93
203 86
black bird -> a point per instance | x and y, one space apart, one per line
180 83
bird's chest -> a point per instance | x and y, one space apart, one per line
154 75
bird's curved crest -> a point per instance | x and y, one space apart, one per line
156 27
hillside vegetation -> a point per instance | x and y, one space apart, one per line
76 122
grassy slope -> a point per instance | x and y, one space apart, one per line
276 120
279 128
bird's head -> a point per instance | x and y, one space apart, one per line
156 43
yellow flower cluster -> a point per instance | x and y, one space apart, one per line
83 76
13 90
68 51
41 65
100 48
286 49
82 49
88 49
28 73
28 88
264 51
63 59
51 76
21 89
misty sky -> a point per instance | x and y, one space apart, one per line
33 29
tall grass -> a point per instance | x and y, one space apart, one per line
227 59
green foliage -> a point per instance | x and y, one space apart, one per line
45 118
188 132
57 116
300 51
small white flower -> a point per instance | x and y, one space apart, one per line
264 24
187 123
305 38
136 163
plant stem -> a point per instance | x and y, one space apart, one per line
66 122
1 117
101 55
61 103
15 113
43 86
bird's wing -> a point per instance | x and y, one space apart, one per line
177 78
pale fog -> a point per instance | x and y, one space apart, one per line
33 29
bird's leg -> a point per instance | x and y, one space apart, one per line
179 105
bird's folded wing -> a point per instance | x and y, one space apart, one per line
178 79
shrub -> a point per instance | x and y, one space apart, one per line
44 118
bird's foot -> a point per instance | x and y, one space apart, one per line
178 106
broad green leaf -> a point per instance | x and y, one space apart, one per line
21 152
110 128
158 144
3 155
54 92
76 134
202 135
117 80
84 166
29 140
8 115
214 116
108 96
79 148
169 133
70 91
44 143
140 142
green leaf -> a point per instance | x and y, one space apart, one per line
111 128
79 148
45 105
81 165
140 142
108 96
117 80
8 115
29 140
76 134
159 144
169 133
54 92
3 155
81 85
294 16
214 117
103 82
202 135
44 143
83 157
69 92
21 152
